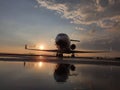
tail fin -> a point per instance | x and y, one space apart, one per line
75 40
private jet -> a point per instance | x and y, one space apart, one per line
64 46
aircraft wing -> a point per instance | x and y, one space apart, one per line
76 51
23 55
55 50
89 51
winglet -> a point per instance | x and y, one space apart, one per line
111 49
26 46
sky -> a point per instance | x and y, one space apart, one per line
96 23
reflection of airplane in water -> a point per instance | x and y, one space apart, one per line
63 44
62 72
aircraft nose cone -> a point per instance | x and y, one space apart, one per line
61 43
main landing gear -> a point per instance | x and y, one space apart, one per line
59 55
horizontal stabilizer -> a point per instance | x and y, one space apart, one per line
75 40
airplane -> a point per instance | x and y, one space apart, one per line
63 44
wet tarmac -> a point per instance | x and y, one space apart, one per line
45 73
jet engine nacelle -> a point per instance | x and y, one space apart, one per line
73 46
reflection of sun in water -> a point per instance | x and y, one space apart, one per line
41 47
40 64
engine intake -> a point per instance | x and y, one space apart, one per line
73 46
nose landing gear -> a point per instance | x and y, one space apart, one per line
73 55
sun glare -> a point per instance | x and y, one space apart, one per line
40 64
41 47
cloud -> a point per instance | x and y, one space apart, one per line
97 20
84 11
79 28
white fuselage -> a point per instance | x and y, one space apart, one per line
62 42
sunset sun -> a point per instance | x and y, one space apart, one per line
41 47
